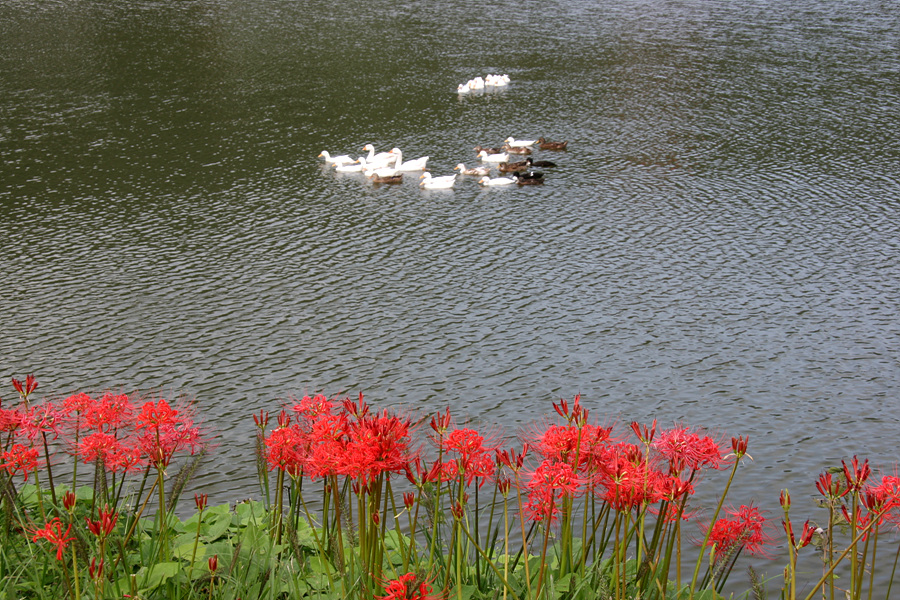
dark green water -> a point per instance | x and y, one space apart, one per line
718 247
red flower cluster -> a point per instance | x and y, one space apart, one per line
743 529
408 587
105 430
352 442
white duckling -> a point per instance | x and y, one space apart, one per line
461 167
477 83
437 183
487 181
373 158
336 160
463 88
514 142
497 158
417 164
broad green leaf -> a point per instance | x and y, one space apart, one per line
152 577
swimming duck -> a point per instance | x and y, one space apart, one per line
539 163
473 171
529 178
497 158
373 158
496 150
514 142
487 181
417 164
369 171
463 88
517 149
356 167
396 178
437 183
545 145
508 167
336 160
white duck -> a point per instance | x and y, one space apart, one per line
487 181
336 160
514 142
356 167
437 183
473 171
371 171
373 158
497 158
417 164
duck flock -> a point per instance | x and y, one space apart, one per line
512 161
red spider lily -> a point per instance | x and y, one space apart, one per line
805 536
685 449
888 494
550 484
376 444
77 403
29 386
109 413
503 485
644 434
785 500
632 484
166 432
864 522
583 444
200 501
856 474
409 499
457 509
474 458
104 525
312 407
327 441
744 530
39 420
262 420
95 570
739 446
213 563
20 458
286 449
511 459
441 422
53 533
69 500
359 410
408 587
831 488
114 454
156 415
10 419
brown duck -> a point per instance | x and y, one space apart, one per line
545 145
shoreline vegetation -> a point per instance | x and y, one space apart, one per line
361 503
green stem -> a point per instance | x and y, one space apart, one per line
709 529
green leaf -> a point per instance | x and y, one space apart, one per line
218 526
152 577
184 551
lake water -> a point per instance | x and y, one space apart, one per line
718 247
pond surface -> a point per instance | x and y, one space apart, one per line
718 247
